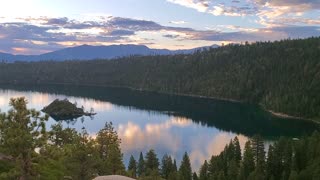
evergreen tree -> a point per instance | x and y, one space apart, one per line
61 137
22 131
212 168
248 161
108 146
271 163
233 170
203 175
175 167
152 163
82 162
166 166
132 167
195 176
141 166
237 150
185 170
258 152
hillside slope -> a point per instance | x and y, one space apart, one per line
282 76
87 52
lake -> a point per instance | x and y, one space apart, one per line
167 123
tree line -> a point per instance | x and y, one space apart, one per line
29 151
282 76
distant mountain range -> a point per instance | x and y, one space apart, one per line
87 52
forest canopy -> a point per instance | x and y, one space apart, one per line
282 76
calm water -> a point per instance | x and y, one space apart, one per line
169 124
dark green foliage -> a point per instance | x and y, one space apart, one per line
204 173
237 150
152 163
258 151
282 76
132 167
63 109
61 137
175 168
83 159
108 145
185 170
195 176
247 165
287 159
21 131
141 165
166 166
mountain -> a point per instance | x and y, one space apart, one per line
87 52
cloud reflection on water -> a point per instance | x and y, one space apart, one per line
200 144
140 130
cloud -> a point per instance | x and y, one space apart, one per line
43 34
122 33
312 4
171 36
178 22
135 137
263 34
57 21
269 12
199 5
218 8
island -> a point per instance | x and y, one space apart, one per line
65 110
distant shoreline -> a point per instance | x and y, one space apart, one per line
276 114
287 116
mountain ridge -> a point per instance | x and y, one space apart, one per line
89 52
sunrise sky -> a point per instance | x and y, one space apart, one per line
40 26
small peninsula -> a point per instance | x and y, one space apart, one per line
65 110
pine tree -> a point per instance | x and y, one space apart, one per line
185 170
22 132
109 150
270 165
237 150
258 152
166 166
175 167
82 162
212 167
203 175
152 163
141 166
233 169
248 161
132 167
195 176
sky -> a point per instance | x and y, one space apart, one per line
41 26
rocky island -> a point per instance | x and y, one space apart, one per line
65 110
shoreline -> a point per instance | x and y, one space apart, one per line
274 113
287 116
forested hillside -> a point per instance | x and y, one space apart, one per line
283 76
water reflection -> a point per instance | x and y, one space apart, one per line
168 124
234 117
